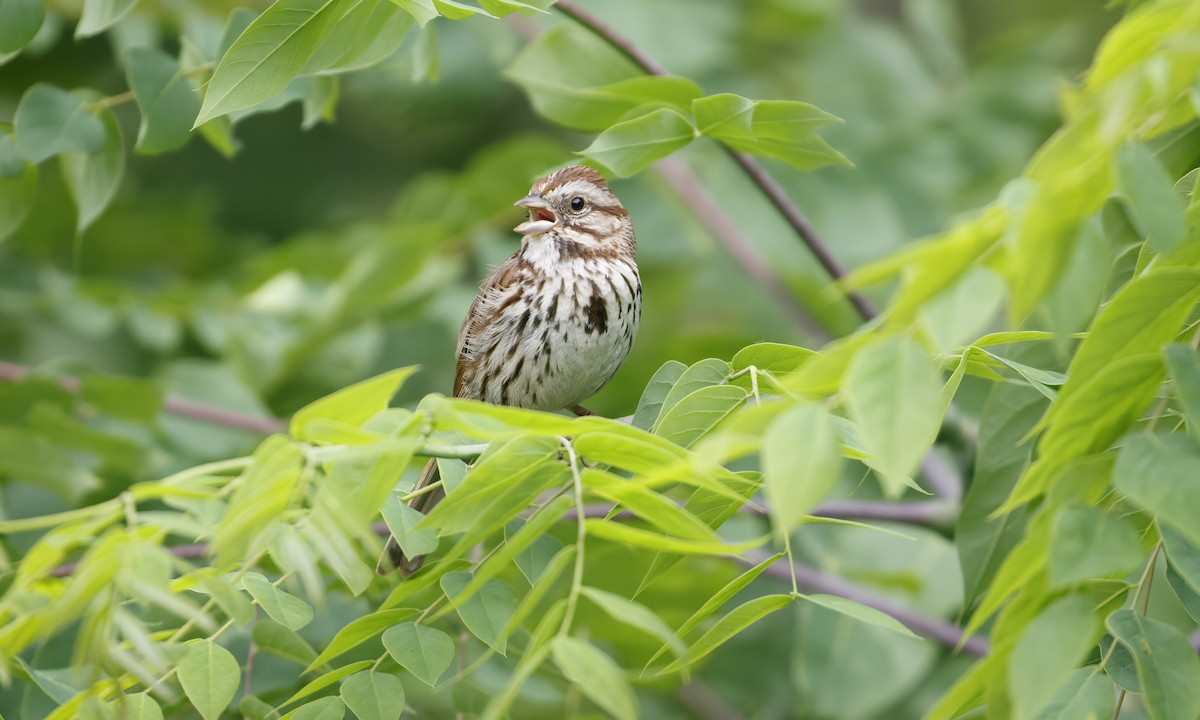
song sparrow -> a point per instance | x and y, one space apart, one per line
553 322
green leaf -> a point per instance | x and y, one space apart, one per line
93 178
698 413
401 521
49 121
639 538
1167 665
353 405
596 676
421 10
699 375
369 33
168 103
628 148
326 708
529 534
359 631
1049 649
1184 367
281 641
780 129
373 695
893 391
269 54
533 560
328 679
485 613
656 391
722 596
636 615
660 511
423 651
1086 693
860 612
1183 553
20 21
99 15
775 358
802 463
18 182
577 80
1162 474
1087 542
253 708
1188 596
538 590
138 706
281 606
209 675
737 620
724 115
1156 208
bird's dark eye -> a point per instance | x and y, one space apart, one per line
577 203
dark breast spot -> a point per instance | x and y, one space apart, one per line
596 316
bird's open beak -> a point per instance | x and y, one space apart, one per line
541 217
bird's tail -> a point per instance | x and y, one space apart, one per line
393 557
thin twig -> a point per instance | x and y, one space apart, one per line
755 172
705 208
944 632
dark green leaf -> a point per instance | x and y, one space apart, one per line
1185 371
93 178
49 121
1167 665
19 22
1162 474
1087 693
1049 649
1087 542
656 391
281 641
169 105
485 613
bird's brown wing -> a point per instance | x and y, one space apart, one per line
493 292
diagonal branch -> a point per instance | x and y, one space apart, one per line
755 172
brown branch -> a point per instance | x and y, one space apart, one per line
704 207
172 404
755 172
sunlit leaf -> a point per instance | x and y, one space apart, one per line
629 147
209 675
802 463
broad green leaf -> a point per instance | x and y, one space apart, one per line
1188 596
18 182
209 675
1089 421
129 398
269 55
787 121
528 536
724 115
49 121
658 510
373 695
423 651
369 33
168 104
20 21
281 606
1156 208
421 10
352 405
538 590
1146 314
858 611
802 463
326 708
634 614
1167 665
93 178
737 620
1049 649
99 15
892 389
402 520
328 679
1121 668
1162 474
138 706
722 596
486 612
629 147
576 79
775 358
478 510
698 413
1086 694
533 560
596 676
359 631
699 375
1020 567
1183 553
1184 366
264 493
253 708
656 391
1088 542
637 537
283 642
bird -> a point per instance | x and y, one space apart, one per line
550 325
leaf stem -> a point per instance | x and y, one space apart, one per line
580 538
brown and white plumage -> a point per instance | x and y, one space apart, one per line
551 324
